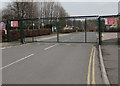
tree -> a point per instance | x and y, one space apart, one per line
51 9
17 10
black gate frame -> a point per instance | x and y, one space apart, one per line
100 24
56 18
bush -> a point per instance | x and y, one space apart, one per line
3 36
15 34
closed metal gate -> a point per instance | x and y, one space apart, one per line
75 29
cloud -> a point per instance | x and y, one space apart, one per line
90 8
64 0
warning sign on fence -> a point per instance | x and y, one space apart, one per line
14 23
111 21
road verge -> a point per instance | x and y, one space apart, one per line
103 70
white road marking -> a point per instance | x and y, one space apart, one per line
47 38
15 46
71 38
50 47
2 48
17 61
68 44
5 47
66 40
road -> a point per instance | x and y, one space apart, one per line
51 63
68 37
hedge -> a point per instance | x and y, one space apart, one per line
15 34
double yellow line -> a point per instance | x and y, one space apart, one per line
91 68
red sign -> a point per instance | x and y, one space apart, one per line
111 21
14 23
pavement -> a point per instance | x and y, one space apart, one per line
52 63
8 44
110 56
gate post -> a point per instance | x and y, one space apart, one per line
85 30
57 27
33 34
21 32
8 31
99 27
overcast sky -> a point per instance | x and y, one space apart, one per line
93 7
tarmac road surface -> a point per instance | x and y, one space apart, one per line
51 63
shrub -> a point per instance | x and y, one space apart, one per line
15 34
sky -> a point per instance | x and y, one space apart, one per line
69 0
91 8
119 7
87 7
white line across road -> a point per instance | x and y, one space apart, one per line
47 38
2 48
51 46
17 61
66 40
5 47
71 37
15 46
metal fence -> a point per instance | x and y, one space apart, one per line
109 34
75 29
